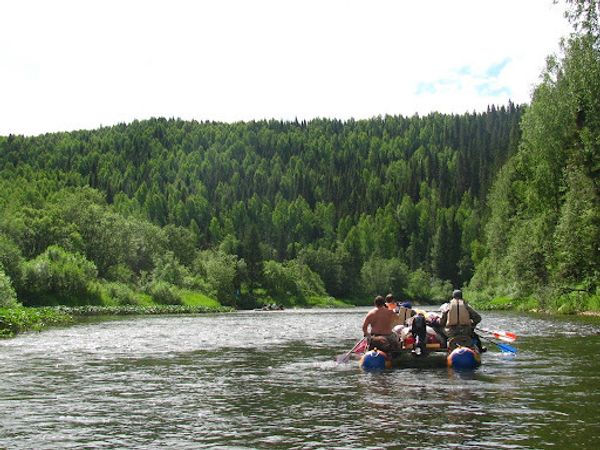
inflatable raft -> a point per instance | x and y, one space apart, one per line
412 349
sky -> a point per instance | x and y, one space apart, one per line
68 65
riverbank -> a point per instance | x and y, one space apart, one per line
14 320
582 305
19 319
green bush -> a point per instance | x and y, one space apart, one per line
291 281
197 283
419 285
328 265
441 290
120 293
164 293
308 282
279 281
572 302
380 276
478 301
57 274
18 319
527 304
221 272
11 260
167 268
120 273
327 302
8 296
593 303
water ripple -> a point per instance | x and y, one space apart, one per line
269 380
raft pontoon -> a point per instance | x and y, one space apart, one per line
426 349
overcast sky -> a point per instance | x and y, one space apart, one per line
67 65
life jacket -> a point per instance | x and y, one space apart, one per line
404 314
396 320
458 314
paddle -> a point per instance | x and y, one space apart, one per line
503 347
502 335
342 359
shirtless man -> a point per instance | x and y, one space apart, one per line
379 322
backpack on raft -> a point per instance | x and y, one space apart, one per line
419 332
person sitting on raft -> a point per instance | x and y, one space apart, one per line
459 320
391 304
378 324
405 312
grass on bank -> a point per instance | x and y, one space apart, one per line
104 299
193 298
570 303
113 299
260 297
327 302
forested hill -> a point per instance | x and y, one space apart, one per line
506 202
543 232
359 166
368 206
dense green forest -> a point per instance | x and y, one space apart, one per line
504 202
297 209
543 234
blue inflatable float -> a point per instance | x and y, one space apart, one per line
464 358
375 360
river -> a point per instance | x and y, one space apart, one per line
268 380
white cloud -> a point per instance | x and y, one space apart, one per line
70 64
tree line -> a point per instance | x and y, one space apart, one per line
503 202
543 233
323 207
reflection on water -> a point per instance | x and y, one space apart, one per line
269 380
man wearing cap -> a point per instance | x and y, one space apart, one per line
459 320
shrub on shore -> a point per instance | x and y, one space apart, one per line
8 297
18 319
57 277
164 293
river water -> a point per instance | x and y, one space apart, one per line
268 380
